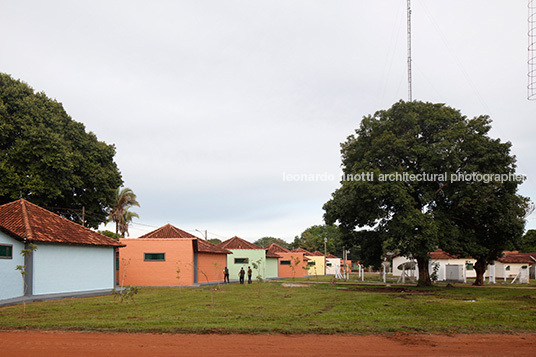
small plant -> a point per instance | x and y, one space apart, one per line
258 266
26 253
128 293
178 271
435 270
211 289
293 265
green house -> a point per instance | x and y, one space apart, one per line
245 254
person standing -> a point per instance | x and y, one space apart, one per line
241 275
226 275
249 275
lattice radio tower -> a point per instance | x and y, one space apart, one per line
531 88
410 94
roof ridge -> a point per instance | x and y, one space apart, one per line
26 220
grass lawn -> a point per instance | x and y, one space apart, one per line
271 307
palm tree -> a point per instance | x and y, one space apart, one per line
119 213
126 219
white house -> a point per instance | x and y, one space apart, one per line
446 266
70 259
333 265
512 262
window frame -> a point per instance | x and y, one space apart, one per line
154 260
8 247
242 260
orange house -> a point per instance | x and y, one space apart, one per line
170 256
291 264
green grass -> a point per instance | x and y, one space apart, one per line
320 308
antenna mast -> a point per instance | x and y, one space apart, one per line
531 87
409 52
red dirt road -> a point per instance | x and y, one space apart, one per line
36 343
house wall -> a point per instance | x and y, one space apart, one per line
500 270
11 284
253 255
134 270
441 273
292 270
333 266
61 268
212 265
272 267
318 267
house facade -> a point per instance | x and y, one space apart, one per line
70 259
169 256
244 254
291 264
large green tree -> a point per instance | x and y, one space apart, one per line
312 239
398 181
266 241
49 159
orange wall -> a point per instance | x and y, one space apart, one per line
285 271
136 271
212 265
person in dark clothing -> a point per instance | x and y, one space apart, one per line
226 275
249 275
241 274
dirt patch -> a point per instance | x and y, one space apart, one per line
294 285
38 343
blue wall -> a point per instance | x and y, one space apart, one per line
62 268
11 284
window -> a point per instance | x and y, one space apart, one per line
328 264
310 263
469 266
284 262
241 260
155 257
508 267
6 251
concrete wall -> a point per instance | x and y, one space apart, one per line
253 255
318 267
179 253
292 270
501 272
272 267
333 266
212 265
11 284
60 268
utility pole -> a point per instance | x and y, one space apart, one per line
325 256
410 94
84 216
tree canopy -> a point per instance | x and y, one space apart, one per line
49 159
414 179
266 241
312 239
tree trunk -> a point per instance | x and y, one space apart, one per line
424 273
480 269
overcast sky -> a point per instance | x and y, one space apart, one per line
211 103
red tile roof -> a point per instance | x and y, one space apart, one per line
172 232
238 243
301 250
206 247
520 258
168 231
23 220
331 256
316 253
276 248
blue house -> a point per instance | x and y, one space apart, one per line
70 260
